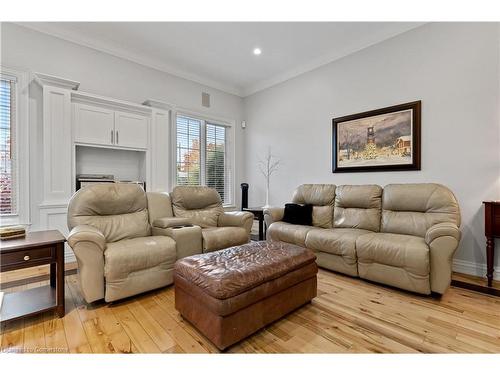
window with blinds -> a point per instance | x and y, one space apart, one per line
8 200
201 149
188 151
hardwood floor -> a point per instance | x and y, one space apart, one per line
348 316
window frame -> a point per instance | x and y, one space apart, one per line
21 147
229 149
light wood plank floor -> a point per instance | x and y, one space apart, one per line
348 316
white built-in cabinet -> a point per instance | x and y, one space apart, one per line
77 132
103 126
92 124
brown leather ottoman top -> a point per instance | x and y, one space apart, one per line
227 273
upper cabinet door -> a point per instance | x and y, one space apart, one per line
93 125
131 130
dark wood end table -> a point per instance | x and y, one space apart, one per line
35 249
258 212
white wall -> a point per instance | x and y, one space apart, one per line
106 75
452 68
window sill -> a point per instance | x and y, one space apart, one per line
12 220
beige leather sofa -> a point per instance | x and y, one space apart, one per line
126 241
403 235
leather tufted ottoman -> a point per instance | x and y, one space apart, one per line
232 293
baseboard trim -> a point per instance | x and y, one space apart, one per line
471 268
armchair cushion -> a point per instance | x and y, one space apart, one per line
236 219
200 204
119 211
137 265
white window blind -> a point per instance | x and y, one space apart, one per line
215 161
202 155
188 151
8 189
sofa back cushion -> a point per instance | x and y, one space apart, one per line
414 208
200 204
119 211
358 206
321 197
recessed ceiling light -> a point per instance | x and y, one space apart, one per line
257 51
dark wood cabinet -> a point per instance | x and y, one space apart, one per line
491 230
35 249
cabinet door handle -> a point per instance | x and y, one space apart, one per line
112 136
117 137
26 257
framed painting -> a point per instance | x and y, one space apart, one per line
386 139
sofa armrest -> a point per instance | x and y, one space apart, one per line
441 230
89 244
443 240
169 222
236 219
273 214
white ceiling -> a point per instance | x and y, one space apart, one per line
220 54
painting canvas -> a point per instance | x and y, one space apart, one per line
384 139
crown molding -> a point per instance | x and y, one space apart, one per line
49 80
53 30
88 98
154 103
122 53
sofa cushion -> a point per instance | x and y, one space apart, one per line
132 255
322 216
413 208
338 241
321 197
398 250
315 194
222 237
291 233
358 206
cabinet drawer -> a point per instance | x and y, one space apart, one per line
27 257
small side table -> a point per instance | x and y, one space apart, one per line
35 249
258 212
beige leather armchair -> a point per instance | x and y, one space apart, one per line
202 206
112 240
